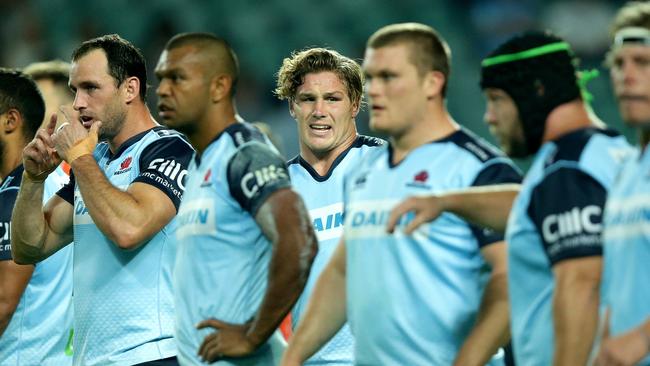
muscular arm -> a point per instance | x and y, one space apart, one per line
13 280
491 330
485 206
575 309
285 222
37 231
128 218
325 313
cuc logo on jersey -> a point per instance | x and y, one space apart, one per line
253 181
576 221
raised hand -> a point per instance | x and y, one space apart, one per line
39 156
72 140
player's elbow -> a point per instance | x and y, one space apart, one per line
20 253
127 238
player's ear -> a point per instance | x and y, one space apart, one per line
11 121
220 87
132 88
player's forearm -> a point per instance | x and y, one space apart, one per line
324 317
487 206
575 318
28 224
492 326
288 273
115 212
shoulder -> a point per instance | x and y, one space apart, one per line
595 152
475 146
243 132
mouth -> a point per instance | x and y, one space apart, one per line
320 127
632 98
86 121
164 110
377 108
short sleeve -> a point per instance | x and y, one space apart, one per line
254 173
164 163
567 210
497 173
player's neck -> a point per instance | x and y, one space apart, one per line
214 123
436 126
10 159
322 162
567 118
138 119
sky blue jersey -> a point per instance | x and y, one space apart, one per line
627 247
557 216
412 300
40 326
223 257
323 196
123 303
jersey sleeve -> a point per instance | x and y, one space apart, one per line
254 173
67 191
163 164
567 210
497 173
7 199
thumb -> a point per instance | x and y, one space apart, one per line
94 130
211 323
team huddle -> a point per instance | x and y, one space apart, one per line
188 239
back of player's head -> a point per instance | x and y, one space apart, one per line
124 59
537 70
18 91
220 54
292 73
57 71
429 51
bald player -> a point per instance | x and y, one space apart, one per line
245 241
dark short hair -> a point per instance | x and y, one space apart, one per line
292 73
124 59
218 47
20 92
429 51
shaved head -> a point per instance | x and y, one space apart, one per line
219 56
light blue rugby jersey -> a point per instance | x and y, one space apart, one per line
123 301
323 196
627 246
223 258
412 300
556 216
39 328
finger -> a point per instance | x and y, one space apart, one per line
211 323
418 220
397 212
51 124
206 342
42 151
45 137
66 111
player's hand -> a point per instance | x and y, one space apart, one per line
229 340
425 208
626 349
72 140
39 156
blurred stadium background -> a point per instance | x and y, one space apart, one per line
264 32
